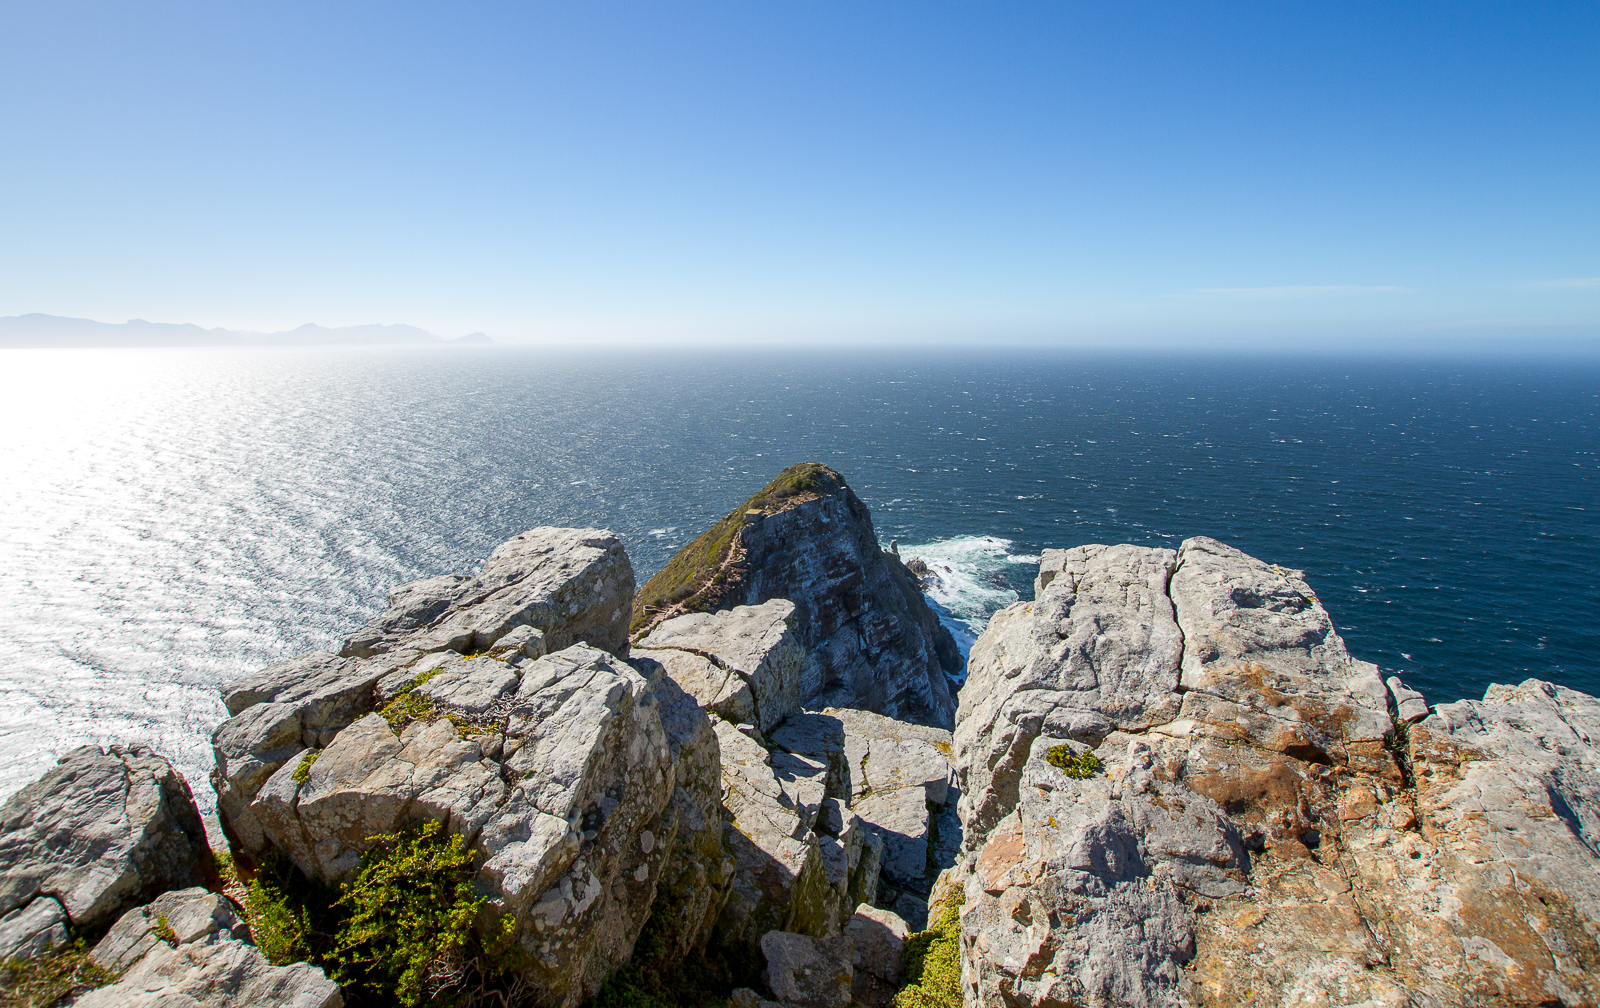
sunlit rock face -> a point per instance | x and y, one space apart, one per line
570 584
581 781
870 640
189 947
102 831
1264 824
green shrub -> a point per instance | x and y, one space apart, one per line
164 931
400 932
52 979
411 909
290 916
933 961
1076 766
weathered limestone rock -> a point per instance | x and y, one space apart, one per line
802 860
1409 705
900 782
189 948
878 937
571 585
542 590
33 930
558 771
870 639
101 831
694 880
1258 829
749 660
808 972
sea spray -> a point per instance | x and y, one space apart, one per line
969 581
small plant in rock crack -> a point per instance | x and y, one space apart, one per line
302 773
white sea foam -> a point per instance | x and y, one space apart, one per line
971 581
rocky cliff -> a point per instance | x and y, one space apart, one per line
1180 789
870 640
1169 784
594 787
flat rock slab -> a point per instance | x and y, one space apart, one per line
200 958
758 644
809 972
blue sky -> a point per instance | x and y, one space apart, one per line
1284 174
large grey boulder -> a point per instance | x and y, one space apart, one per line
572 585
878 940
808 972
571 776
188 948
543 590
755 650
102 831
1179 787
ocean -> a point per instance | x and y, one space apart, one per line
171 519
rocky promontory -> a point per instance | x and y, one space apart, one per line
871 641
1169 783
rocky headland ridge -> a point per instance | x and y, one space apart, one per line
1168 783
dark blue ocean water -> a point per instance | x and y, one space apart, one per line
172 518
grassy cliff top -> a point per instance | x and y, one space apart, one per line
693 581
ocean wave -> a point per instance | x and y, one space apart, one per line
970 583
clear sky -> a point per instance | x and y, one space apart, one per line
1294 173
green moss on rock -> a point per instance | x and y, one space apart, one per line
1078 766
55 978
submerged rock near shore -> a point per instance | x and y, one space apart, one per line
1169 784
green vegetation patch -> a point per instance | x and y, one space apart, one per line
164 931
302 773
694 580
400 932
409 706
1074 765
933 961
54 978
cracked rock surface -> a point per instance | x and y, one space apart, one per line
102 831
1269 821
870 640
189 948
580 781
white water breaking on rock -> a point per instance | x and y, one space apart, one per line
969 581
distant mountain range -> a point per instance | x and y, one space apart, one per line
38 330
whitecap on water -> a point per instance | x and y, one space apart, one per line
972 582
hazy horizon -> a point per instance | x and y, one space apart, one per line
1178 174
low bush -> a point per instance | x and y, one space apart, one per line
400 932
1078 766
933 961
